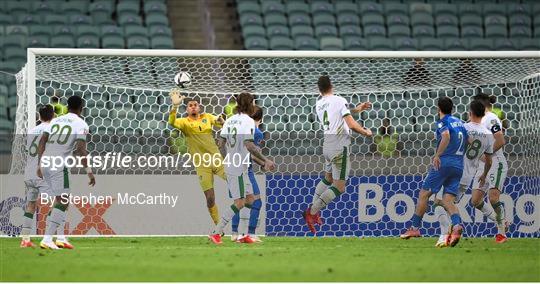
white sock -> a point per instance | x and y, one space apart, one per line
487 211
325 198
500 217
60 232
321 187
56 218
226 217
444 221
28 220
244 220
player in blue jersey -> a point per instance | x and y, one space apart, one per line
257 203
445 172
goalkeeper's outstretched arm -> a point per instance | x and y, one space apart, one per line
176 100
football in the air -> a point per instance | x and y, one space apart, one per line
182 79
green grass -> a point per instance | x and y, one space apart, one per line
277 259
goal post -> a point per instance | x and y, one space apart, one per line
127 109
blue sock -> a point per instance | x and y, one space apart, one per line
235 221
456 220
254 216
416 221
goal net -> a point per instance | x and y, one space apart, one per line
127 106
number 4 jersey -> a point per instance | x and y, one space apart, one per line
64 131
481 142
330 111
236 130
32 141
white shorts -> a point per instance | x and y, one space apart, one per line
338 163
496 175
34 187
58 181
239 186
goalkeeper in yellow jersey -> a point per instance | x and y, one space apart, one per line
197 127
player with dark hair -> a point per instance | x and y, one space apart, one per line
34 185
497 173
65 136
237 141
335 117
445 172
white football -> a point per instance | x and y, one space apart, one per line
182 79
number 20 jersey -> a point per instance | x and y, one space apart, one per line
64 131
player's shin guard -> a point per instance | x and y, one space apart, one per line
28 219
500 217
487 211
225 219
234 223
330 194
254 216
57 217
444 221
244 219
321 187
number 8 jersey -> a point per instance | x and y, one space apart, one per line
480 142
63 132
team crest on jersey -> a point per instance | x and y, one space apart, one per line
204 120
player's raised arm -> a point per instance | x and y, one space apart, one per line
176 100
361 107
356 127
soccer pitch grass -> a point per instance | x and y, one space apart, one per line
277 259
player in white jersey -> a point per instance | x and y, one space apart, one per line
497 173
237 136
480 142
33 184
335 117
64 137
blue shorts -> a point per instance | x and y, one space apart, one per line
251 175
447 177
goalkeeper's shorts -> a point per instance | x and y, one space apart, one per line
206 176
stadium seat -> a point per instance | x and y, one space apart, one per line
446 20
14 54
131 31
88 42
273 7
38 41
324 19
130 20
18 41
17 30
496 31
423 31
29 19
250 19
88 30
472 32
528 44
397 20
55 19
480 44
153 7
520 32
296 7
112 41
157 20
275 19
80 20
380 43
504 44
346 7
421 20
406 44
138 42
492 9
299 19
455 44
277 30
372 20
107 30
159 30
354 43
62 41
42 8
321 7
64 30
281 43
375 31
352 30
520 20
306 43
6 19
399 31
491 21
420 8
74 7
260 43
469 10
445 10
430 44
101 6
519 9
470 20
128 7
253 31
326 31
16 7
248 7
40 30
302 30
162 42
370 8
447 31
344 19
